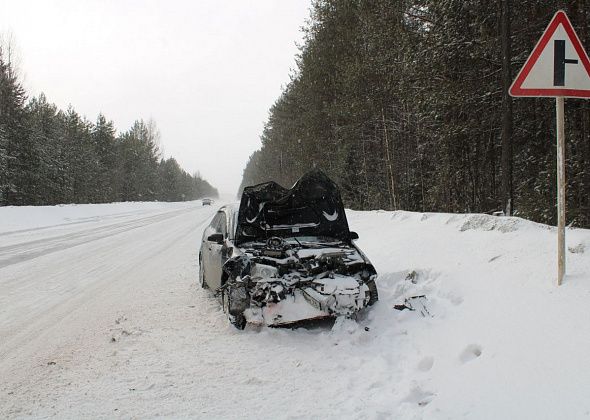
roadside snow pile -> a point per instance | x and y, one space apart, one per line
504 341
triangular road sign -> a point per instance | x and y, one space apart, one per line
558 65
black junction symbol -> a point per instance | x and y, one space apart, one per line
559 62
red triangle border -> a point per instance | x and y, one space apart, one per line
559 18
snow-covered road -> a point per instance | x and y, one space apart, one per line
101 317
70 289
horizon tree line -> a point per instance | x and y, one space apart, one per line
49 156
405 105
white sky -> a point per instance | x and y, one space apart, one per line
207 71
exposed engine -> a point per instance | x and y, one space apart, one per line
280 281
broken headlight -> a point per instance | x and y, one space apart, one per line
263 271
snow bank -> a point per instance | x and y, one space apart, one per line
504 341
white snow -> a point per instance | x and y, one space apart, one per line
101 317
29 217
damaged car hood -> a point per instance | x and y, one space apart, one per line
312 207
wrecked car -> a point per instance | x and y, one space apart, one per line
285 256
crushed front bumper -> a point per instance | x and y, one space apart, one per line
311 303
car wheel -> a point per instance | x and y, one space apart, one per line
238 321
236 318
202 273
373 294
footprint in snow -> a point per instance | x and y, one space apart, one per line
426 364
419 396
253 381
471 352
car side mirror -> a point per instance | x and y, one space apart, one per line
354 235
216 237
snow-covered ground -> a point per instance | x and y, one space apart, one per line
100 317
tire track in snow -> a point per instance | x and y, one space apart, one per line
77 221
20 327
24 251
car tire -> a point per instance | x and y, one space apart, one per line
236 318
202 281
238 321
373 294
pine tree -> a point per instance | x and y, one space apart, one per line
138 158
404 104
104 140
12 99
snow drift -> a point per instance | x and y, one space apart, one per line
502 342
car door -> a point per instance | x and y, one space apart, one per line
206 248
215 251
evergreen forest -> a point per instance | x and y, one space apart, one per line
404 104
49 156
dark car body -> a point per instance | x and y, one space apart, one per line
286 255
206 201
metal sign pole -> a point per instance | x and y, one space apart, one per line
567 75
559 106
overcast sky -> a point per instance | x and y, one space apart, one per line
207 71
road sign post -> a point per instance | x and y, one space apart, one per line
557 67
560 128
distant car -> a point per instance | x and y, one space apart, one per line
286 256
207 201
